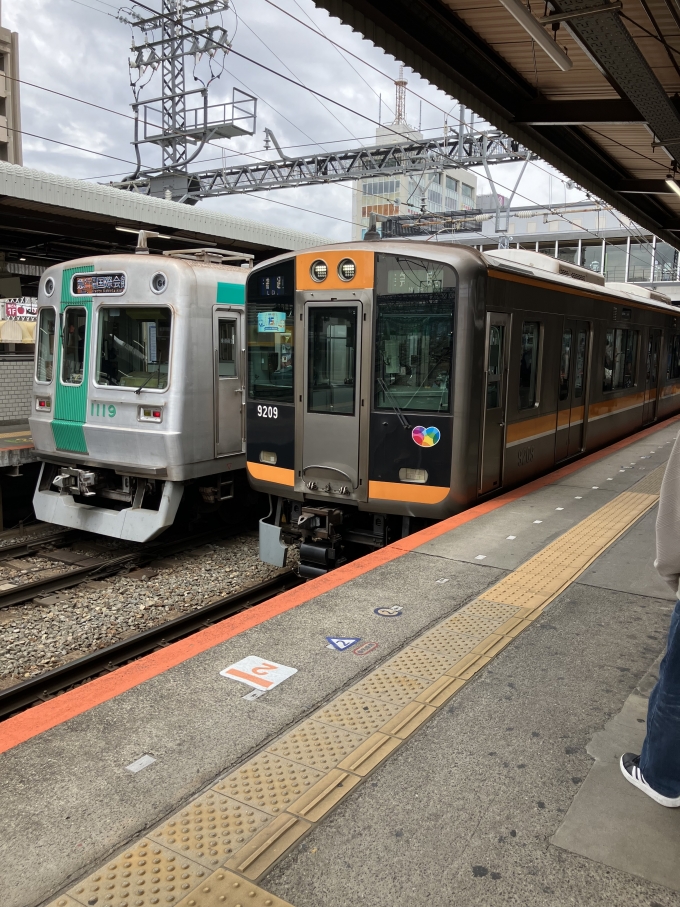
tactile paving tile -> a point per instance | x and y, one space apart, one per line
210 829
225 889
491 609
445 642
544 575
651 484
145 875
473 624
268 782
317 745
357 713
420 663
64 901
390 686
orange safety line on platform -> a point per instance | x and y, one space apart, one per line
44 717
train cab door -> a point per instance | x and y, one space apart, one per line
330 450
572 388
652 376
495 392
228 382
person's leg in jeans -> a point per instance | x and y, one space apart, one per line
660 756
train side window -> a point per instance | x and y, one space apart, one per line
528 366
134 346
565 365
620 358
44 364
580 366
227 348
673 368
73 345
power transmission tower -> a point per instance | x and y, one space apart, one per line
180 121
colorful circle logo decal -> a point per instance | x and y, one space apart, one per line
426 437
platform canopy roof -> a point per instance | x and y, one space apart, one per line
46 218
602 107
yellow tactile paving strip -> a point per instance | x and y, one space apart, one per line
212 852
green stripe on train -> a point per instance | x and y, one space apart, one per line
70 405
231 293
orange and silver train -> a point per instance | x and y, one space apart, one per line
395 382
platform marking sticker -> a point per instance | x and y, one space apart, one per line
258 672
394 611
340 643
365 648
139 764
442 581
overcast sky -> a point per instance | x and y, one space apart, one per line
79 48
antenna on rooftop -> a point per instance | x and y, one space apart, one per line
400 105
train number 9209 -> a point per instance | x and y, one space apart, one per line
268 412
525 456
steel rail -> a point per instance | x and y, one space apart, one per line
48 685
101 566
30 542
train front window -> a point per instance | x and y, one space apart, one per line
414 334
134 347
332 338
73 352
270 296
45 359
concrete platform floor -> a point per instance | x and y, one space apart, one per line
480 807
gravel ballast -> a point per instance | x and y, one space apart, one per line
38 636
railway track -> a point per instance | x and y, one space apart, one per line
89 567
50 684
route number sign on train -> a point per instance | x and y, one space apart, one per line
258 672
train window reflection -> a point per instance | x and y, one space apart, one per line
45 359
494 373
269 310
227 348
332 339
134 346
74 345
414 334
579 373
673 369
528 366
565 363
620 358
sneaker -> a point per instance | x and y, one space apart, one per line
630 766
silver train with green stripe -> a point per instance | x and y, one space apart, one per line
138 389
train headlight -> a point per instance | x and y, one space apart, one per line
150 414
268 456
43 404
49 286
159 283
347 269
319 270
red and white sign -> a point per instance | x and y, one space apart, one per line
23 309
258 672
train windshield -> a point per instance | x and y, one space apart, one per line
270 295
414 334
134 346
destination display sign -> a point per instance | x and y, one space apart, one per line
98 284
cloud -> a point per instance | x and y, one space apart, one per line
80 49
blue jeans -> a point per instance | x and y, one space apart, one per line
660 757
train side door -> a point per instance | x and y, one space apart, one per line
652 376
228 382
572 388
332 404
495 392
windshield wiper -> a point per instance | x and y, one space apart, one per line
388 396
139 389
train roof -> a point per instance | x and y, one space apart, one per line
529 264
